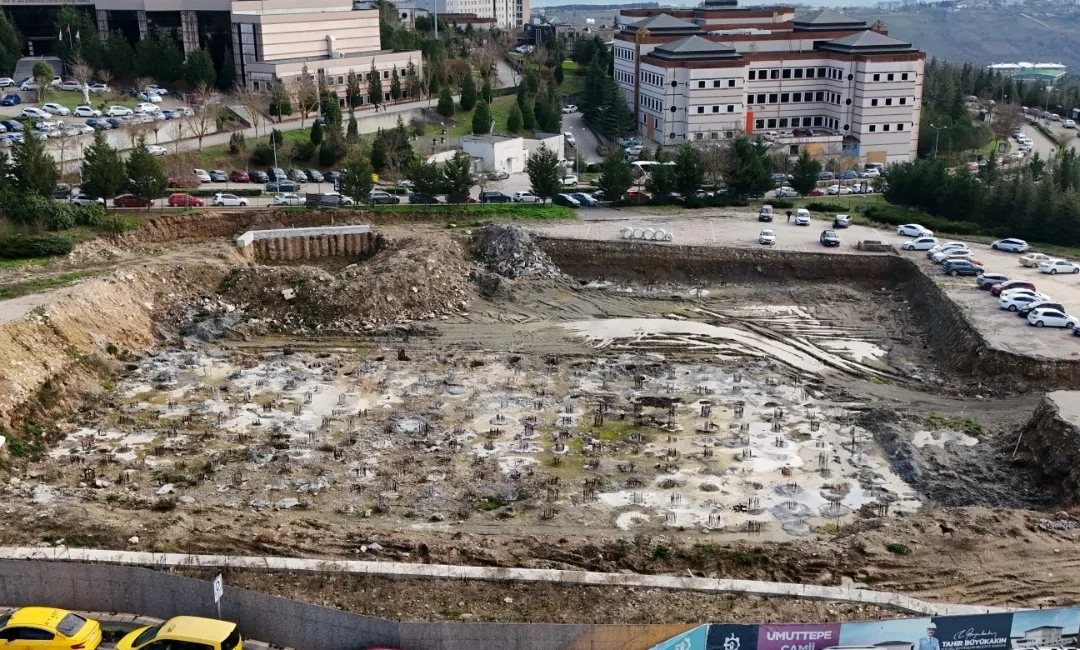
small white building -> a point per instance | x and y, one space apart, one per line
553 141
497 153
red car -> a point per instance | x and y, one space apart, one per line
239 176
1011 284
817 191
132 201
185 201
637 195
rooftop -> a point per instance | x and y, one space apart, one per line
827 19
867 42
693 47
663 23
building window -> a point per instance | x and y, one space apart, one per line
818 120
700 109
774 74
903 77
872 128
386 98
873 102
903 100
731 108
808 97
759 124
899 127
772 123
785 98
877 77
699 135
714 135
787 73
783 122
753 73
890 77
806 121
701 84
761 98
819 96
715 109
888 101
656 122
809 73
340 80
716 83
885 127
730 83
798 73
386 74
773 97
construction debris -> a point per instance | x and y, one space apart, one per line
512 252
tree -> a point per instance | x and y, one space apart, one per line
199 69
159 57
352 132
145 177
459 178
481 120
34 170
528 118
204 122
748 171
81 72
280 103
307 98
375 93
545 172
559 75
103 171
426 177
446 103
468 92
804 175
353 95
252 101
331 110
486 92
10 44
661 180
356 179
616 175
433 88
513 121
689 170
43 74
412 81
316 134
395 85
119 55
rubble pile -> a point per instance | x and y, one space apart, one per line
511 251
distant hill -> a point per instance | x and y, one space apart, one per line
986 36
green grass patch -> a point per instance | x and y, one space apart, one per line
490 503
966 424
500 111
572 83
611 430
38 285
31 261
218 156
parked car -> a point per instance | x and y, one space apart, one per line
327 200
765 213
146 107
157 90
802 217
961 267
86 111
282 186
184 632
1032 260
118 111
218 176
988 280
115 122
569 138
565 200
222 199
258 176
951 253
297 175
332 176
850 175
569 108
99 88
239 176
149 97
132 201
98 124
838 190
997 289
48 628
829 238
1051 318
289 198
919 244
786 192
55 109
637 195
766 237
34 113
314 176
84 200
28 84
817 191
276 174
570 181
1013 301
841 221
10 100
156 150
383 197
423 199
6 82
584 199
913 230
1055 266
1032 306
498 176
826 176
202 175
181 200
491 196
12 125
1011 245
525 196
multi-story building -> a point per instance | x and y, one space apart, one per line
505 13
821 80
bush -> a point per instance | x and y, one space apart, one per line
304 151
824 206
115 223
17 247
237 143
90 215
277 136
898 548
262 155
662 552
329 154
782 204
896 216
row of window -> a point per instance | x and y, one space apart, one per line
651 103
797 73
794 98
891 76
716 109
652 78
717 83
713 135
624 77
888 101
884 127
794 122
624 53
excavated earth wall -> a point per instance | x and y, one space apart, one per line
1052 436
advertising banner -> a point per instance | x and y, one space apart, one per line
901 634
732 637
804 636
1044 628
982 632
693 640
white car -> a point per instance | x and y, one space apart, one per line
871 173
118 111
1055 266
1050 317
570 139
525 197
202 175
1010 245
83 200
406 183
1033 259
948 244
786 192
570 181
802 217
145 108
952 254
156 89
156 150
289 198
79 129
55 109
1014 301
569 108
1069 124
1020 291
86 111
98 88
913 230
766 237
148 96
70 86
838 189
29 84
919 244
34 113
220 200
6 82
184 110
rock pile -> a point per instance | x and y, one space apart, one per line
512 252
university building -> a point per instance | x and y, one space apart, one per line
822 80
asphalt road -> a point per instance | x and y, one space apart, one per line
587 143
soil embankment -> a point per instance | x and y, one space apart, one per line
1052 436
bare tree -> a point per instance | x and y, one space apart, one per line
204 121
82 73
63 144
135 130
302 88
252 101
1005 120
140 84
181 126
106 78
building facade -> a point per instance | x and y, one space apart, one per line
507 14
823 80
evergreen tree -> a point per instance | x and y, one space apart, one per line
545 172
468 93
459 178
616 175
145 177
528 119
199 70
689 170
34 170
446 103
532 81
357 178
427 178
433 86
103 170
748 170
375 92
805 173
159 57
559 74
119 55
513 121
661 182
316 134
395 85
331 110
481 121
227 78
352 132
379 153
10 43
522 96
486 92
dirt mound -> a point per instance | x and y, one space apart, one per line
413 279
511 251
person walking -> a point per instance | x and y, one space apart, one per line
789 216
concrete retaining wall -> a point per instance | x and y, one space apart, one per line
289 244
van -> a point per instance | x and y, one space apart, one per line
878 166
765 213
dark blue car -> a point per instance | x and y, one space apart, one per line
12 125
10 100
98 125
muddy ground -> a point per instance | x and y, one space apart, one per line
979 506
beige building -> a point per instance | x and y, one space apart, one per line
822 80
275 39
507 14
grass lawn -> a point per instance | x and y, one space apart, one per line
572 84
16 289
500 111
72 99
219 157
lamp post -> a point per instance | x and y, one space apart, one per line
937 136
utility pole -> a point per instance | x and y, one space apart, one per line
937 136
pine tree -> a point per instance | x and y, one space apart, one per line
459 178
559 74
545 172
375 93
468 93
199 69
356 179
103 171
528 119
34 170
316 134
395 85
689 170
481 121
486 92
513 121
352 133
146 178
805 173
446 103
616 175
353 95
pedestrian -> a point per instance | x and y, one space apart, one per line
789 216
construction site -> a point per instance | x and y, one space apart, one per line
501 396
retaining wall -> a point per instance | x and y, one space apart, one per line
289 244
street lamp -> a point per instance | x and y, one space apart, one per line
937 136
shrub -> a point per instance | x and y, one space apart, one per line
896 216
304 151
824 206
662 552
277 136
90 215
328 154
262 155
782 204
16 247
898 548
115 224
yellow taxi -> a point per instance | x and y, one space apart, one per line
47 628
183 633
